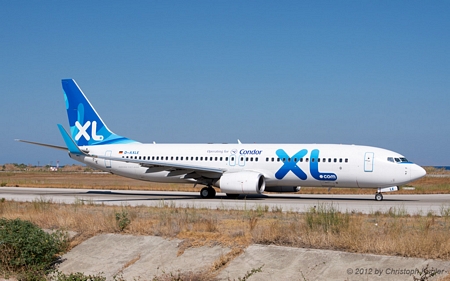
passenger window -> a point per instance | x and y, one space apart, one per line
318 160
278 159
329 160
284 159
256 159
251 159
307 159
215 159
301 159
273 159
220 158
335 160
226 159
267 159
206 158
312 159
346 160
340 160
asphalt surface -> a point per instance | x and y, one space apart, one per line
412 204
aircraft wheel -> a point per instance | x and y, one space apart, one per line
212 192
232 196
378 196
205 193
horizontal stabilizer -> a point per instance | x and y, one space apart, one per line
44 144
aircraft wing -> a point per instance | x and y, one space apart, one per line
189 171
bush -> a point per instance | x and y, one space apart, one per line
27 250
122 220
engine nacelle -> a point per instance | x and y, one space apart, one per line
242 183
282 188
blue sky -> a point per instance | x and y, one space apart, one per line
356 72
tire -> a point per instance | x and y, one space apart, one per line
379 197
205 193
212 192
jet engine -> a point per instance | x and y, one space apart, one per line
242 183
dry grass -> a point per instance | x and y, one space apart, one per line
391 233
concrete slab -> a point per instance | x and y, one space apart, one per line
136 256
285 263
143 257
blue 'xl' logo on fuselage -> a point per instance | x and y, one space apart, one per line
290 164
314 168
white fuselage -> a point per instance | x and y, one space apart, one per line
315 165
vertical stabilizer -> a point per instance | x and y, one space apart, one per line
86 126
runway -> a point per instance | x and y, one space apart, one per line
412 204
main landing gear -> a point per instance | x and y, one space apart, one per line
208 192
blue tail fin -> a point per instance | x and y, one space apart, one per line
86 126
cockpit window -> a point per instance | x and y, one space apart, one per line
398 160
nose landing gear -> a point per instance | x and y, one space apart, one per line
379 196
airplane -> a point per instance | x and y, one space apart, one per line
237 169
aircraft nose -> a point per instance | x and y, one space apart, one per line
417 172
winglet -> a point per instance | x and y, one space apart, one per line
71 145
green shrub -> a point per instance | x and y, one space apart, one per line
122 220
27 250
